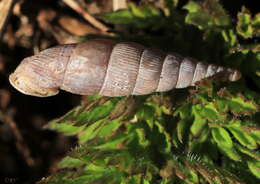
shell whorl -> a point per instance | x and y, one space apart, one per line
101 66
87 67
122 69
41 75
135 70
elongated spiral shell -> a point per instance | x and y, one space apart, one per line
107 68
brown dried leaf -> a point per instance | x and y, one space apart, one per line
5 9
2 63
76 27
4 98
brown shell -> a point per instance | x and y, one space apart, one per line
101 66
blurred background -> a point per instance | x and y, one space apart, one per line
28 152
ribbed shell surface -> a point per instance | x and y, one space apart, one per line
122 69
101 66
135 70
87 67
149 72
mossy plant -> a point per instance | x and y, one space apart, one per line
204 134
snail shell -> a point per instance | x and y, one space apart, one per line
101 66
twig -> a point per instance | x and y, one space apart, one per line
5 9
102 27
20 143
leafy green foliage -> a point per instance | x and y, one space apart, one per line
208 14
207 134
140 17
248 26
